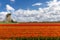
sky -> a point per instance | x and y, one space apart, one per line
30 10
17 4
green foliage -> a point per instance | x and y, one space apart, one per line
38 38
7 22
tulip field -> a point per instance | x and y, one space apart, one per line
30 31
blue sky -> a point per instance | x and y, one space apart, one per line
31 10
20 4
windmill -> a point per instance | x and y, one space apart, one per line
10 10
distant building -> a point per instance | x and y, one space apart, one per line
8 18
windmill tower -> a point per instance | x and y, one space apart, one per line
8 17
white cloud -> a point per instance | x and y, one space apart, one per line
2 16
37 4
12 0
53 3
50 13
